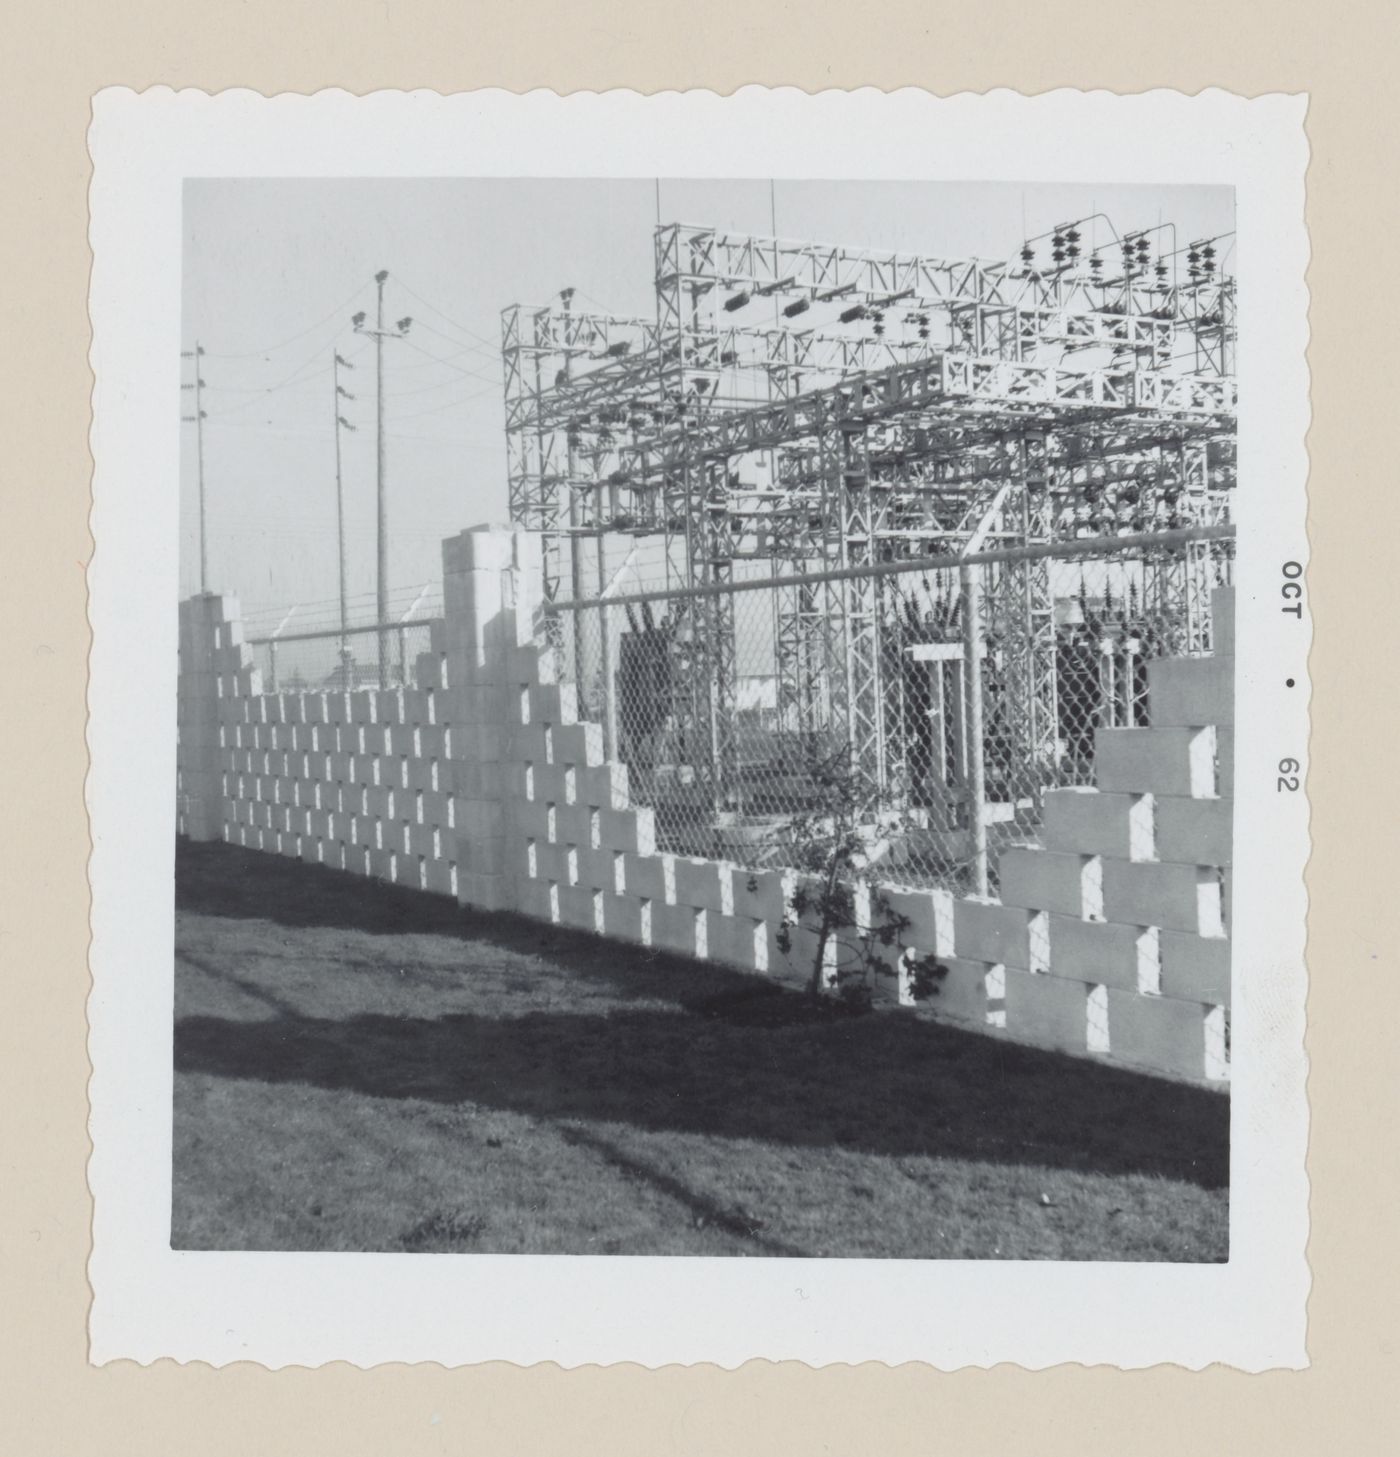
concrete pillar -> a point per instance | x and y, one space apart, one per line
208 630
492 595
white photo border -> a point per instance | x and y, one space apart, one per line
281 1309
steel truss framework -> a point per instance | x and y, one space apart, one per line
890 406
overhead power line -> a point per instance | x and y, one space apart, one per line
296 378
456 343
335 313
461 369
449 405
491 344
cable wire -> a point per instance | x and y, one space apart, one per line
273 348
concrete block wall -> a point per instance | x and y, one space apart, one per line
1108 936
361 781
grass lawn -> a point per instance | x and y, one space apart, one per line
359 1067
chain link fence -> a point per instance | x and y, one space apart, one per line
936 701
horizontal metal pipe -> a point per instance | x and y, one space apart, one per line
335 632
1084 547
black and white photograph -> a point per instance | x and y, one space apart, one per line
700 720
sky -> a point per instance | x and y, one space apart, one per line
274 269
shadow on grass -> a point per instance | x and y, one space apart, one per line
880 1084
720 1063
215 879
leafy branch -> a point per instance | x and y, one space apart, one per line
856 928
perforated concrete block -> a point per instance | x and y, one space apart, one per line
633 830
598 868
1175 897
653 877
1195 831
1049 1011
622 917
1157 1034
428 670
1177 761
437 808
530 664
414 709
552 703
1191 691
439 879
1091 822
679 929
426 775
1196 968
530 818
573 824
604 785
1097 951
579 743
792 967
1050 880
581 907
533 744
521 858
737 941
534 898
929 913
760 894
991 932
700 883
551 862
962 993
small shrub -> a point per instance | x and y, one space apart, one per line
830 842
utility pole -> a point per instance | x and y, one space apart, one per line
575 539
197 354
338 423
382 533
576 586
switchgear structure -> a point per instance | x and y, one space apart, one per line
797 406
